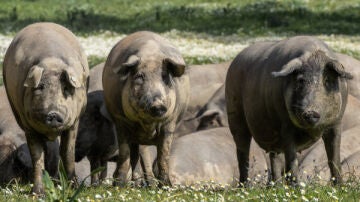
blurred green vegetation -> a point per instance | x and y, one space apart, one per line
245 18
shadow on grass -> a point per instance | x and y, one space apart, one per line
254 19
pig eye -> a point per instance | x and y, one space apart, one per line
300 81
38 90
331 83
166 77
139 78
68 90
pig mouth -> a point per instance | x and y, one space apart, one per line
306 118
53 120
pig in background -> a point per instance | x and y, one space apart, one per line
205 80
96 139
46 78
202 157
15 159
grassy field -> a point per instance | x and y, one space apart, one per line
199 23
245 18
304 192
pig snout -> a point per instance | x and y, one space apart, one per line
154 105
54 119
158 110
311 117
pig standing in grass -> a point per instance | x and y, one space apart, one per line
287 95
45 75
146 92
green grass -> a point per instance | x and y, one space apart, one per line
306 192
246 18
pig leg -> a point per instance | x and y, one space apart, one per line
36 147
138 174
291 161
103 173
242 138
67 150
163 153
52 152
134 158
276 166
332 140
94 164
147 164
123 162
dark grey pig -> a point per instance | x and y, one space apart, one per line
45 76
146 91
96 138
287 95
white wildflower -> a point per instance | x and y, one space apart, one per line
98 196
304 198
302 184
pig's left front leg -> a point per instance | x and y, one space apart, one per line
67 151
163 153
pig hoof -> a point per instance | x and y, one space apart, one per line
118 183
164 181
139 182
153 183
291 181
95 184
336 181
38 190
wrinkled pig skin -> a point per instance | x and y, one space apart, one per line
46 77
296 90
146 92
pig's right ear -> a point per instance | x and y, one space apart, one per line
34 77
125 67
289 68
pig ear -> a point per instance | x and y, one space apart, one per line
70 76
123 69
289 68
209 114
34 77
339 69
176 65
209 117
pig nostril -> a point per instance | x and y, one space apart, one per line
158 110
311 117
54 119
